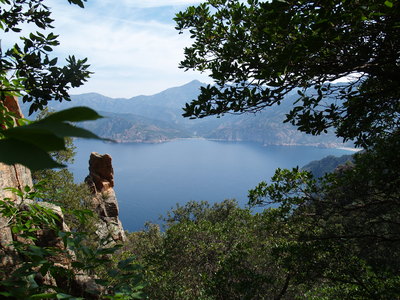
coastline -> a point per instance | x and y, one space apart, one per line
349 149
316 145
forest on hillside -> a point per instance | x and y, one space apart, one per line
158 118
332 237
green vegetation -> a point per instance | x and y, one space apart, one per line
213 252
51 262
27 70
327 165
41 257
337 237
259 51
60 187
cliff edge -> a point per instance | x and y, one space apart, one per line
104 201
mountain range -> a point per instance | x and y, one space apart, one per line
158 118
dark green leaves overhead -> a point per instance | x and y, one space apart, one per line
27 68
14 151
258 51
74 114
77 2
29 145
339 236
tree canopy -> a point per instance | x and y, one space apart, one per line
258 51
27 70
338 236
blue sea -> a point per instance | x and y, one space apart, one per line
151 178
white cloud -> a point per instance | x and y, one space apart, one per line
129 56
153 3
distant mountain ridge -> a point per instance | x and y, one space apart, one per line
158 118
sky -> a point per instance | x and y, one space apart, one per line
131 45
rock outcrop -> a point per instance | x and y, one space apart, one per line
104 201
18 176
79 283
15 176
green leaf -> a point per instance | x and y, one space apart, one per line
75 114
13 151
6 294
66 130
123 263
77 2
64 296
44 296
48 136
389 4
29 144
37 136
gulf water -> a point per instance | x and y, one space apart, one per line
151 178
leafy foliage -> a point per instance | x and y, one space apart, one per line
62 190
333 238
29 144
41 269
347 223
337 236
38 260
258 51
27 69
213 252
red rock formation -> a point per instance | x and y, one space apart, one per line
101 171
104 201
12 104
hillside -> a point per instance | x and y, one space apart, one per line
158 118
327 165
129 128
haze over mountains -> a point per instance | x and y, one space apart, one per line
158 118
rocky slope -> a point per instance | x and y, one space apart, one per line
108 229
104 203
158 118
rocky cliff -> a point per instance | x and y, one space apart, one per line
104 201
109 228
10 176
16 175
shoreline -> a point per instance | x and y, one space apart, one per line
319 145
350 149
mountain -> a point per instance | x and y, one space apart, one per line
134 129
327 165
158 118
166 105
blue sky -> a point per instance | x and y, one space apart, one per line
132 45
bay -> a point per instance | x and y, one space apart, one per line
151 178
